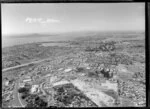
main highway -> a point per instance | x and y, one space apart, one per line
23 65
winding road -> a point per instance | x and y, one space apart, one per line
17 102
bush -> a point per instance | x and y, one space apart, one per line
93 74
35 101
24 96
111 93
106 74
79 69
109 46
89 49
138 75
40 102
23 90
31 105
120 59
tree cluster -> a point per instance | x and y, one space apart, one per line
106 73
32 100
116 59
35 101
23 90
107 46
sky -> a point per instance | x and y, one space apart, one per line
70 17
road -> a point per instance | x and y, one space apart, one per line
17 102
19 97
20 100
23 65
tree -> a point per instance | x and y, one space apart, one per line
31 105
35 101
23 90
41 103
79 69
93 74
24 96
88 49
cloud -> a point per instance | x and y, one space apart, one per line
41 20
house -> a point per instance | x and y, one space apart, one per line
67 70
27 79
53 79
35 88
6 83
21 84
8 97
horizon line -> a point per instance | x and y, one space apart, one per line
56 33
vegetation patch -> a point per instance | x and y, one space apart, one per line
69 96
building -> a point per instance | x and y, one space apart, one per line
21 84
6 83
35 88
53 79
47 85
67 70
27 79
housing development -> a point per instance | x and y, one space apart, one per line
102 70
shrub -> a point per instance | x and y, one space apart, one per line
120 59
89 49
79 69
23 90
93 74
108 46
35 101
24 96
107 74
40 102
138 75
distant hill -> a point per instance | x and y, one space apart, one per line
29 35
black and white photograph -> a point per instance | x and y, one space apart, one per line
148 29
73 55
